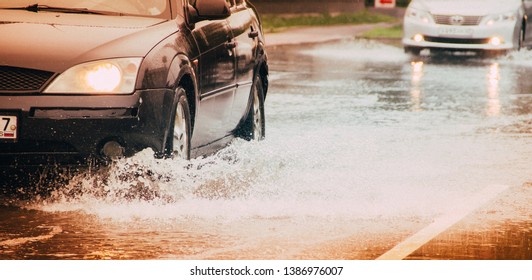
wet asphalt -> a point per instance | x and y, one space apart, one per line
370 153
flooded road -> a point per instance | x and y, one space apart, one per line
366 148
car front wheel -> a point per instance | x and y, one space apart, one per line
178 141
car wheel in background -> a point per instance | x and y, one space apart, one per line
521 39
412 50
494 53
254 128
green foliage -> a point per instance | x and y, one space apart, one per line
272 23
394 32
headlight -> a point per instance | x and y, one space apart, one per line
112 76
419 15
499 18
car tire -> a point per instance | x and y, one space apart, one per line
254 127
521 39
180 132
412 50
489 54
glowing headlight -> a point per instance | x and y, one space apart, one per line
419 15
496 41
418 38
104 77
506 17
116 76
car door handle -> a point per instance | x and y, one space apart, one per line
231 45
253 34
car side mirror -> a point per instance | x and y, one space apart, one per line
208 10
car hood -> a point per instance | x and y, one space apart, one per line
57 41
470 7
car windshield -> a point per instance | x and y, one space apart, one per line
151 8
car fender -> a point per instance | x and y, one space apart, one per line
181 73
162 69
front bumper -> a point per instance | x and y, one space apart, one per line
64 129
437 36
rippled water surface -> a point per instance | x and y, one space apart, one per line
364 147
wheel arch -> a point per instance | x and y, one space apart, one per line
187 83
181 74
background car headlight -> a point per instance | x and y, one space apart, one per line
418 15
499 18
112 76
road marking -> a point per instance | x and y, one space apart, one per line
55 230
466 207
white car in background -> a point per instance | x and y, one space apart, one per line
492 26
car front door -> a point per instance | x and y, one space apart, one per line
216 80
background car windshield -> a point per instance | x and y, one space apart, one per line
154 8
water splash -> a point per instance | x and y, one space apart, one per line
334 149
521 58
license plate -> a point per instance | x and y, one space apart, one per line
456 31
8 127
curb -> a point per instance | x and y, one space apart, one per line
320 34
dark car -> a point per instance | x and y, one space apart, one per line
108 78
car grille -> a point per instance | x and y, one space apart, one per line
448 20
456 40
22 79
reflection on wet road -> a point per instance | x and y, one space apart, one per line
365 148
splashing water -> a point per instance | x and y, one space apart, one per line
352 156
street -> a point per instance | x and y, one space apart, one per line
369 153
